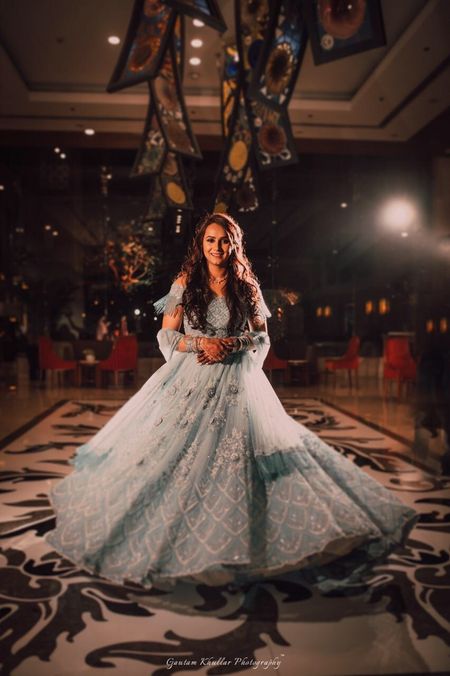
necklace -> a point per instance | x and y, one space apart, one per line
218 280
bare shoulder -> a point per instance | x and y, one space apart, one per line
181 280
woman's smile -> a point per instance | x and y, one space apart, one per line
216 244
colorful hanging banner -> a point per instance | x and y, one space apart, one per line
274 77
229 90
151 153
337 28
173 183
178 37
252 23
148 33
207 11
274 144
156 206
236 155
246 197
170 108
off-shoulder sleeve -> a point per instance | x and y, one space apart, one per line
262 312
168 304
262 306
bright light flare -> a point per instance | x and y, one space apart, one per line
398 214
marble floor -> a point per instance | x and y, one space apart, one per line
61 620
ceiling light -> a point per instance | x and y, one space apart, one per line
195 61
55 233
198 23
63 156
114 40
196 42
344 205
2 187
57 150
405 234
47 226
89 132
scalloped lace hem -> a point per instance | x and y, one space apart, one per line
342 562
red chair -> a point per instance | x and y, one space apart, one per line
349 362
122 358
50 361
399 364
274 363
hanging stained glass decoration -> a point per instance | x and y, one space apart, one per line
173 183
246 196
276 72
238 147
339 28
178 38
273 140
236 154
171 110
223 199
230 86
144 46
252 23
156 207
207 11
150 156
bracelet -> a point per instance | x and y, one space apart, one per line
192 343
243 343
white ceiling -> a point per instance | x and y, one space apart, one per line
55 62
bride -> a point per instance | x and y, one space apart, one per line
202 475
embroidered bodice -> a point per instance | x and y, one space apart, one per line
217 317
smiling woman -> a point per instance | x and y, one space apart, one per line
202 475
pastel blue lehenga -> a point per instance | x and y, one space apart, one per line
202 476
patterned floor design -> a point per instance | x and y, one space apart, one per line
60 621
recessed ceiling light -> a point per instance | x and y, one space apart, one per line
89 132
405 234
57 150
2 187
114 40
195 61
344 205
47 226
63 156
198 23
55 233
196 42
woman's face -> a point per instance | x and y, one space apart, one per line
216 245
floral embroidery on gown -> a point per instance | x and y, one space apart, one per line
202 476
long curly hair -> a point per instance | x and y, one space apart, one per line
242 286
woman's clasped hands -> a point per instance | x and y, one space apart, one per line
214 350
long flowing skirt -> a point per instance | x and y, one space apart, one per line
202 476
